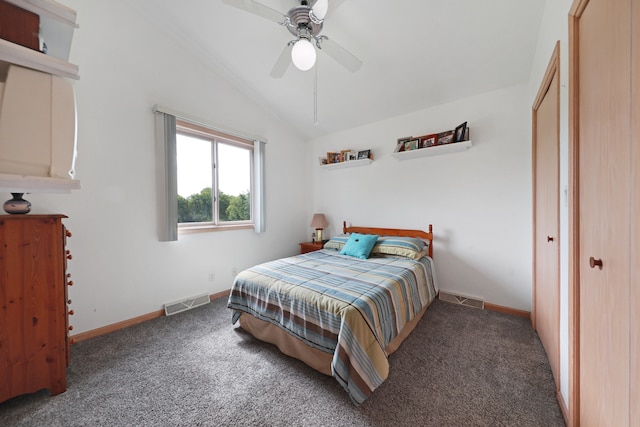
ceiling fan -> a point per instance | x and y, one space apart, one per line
305 23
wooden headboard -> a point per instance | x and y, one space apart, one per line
393 232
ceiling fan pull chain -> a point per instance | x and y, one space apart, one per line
315 96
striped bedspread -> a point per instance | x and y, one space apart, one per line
345 306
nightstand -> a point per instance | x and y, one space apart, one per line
310 247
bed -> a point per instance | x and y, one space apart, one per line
341 310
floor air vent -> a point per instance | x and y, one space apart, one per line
462 300
187 304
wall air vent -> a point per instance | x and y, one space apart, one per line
462 300
187 304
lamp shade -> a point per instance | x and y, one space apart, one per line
319 221
303 55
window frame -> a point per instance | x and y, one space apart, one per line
215 137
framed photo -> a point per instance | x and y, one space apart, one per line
401 141
412 144
344 155
353 155
445 137
364 154
323 161
460 132
428 140
333 157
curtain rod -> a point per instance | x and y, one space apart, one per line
197 121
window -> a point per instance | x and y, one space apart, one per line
228 167
214 179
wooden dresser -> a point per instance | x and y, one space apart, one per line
34 344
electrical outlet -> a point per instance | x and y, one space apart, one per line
212 277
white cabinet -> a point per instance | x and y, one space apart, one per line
37 106
57 23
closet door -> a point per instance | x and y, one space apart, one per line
546 226
603 49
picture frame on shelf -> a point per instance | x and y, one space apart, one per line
446 137
401 141
412 144
333 157
459 132
323 161
364 154
352 155
344 155
428 140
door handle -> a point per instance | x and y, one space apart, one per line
549 239
593 263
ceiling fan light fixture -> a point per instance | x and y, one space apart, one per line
303 55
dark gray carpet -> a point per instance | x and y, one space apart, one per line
460 367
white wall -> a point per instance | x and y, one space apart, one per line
478 201
120 270
554 28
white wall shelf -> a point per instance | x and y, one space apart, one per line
454 147
36 184
349 164
57 24
15 54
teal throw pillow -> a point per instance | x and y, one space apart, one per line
359 245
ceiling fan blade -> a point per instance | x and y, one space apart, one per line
340 54
257 9
283 62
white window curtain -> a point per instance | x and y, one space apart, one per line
167 176
258 187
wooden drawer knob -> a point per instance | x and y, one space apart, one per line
70 283
549 239
68 301
69 256
593 263
71 327
71 313
68 233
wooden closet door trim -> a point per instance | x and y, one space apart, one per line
634 309
552 68
575 12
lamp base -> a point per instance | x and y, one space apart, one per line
318 234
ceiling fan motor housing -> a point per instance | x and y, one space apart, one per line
299 18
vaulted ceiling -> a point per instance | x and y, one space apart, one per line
415 54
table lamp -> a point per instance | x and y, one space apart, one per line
319 222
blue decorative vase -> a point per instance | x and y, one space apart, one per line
17 205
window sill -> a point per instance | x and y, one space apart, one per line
190 229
